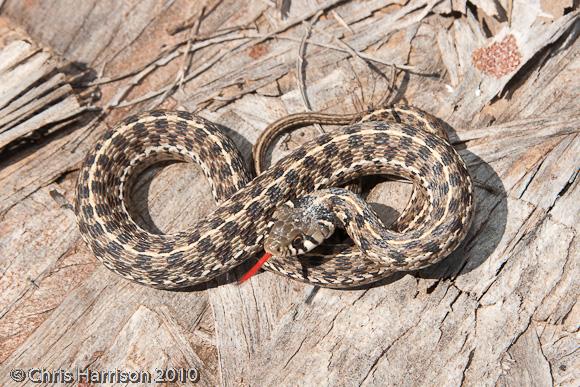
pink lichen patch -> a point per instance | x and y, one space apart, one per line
499 59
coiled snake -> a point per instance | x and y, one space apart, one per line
399 141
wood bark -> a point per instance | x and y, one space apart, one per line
501 310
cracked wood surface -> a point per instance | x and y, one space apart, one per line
501 310
35 98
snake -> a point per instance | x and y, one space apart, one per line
288 209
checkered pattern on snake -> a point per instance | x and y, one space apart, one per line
397 141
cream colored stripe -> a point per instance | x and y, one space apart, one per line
396 134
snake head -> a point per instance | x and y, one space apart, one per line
297 229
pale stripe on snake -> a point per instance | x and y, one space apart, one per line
403 143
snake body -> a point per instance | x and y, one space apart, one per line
434 223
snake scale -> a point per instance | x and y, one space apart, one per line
401 141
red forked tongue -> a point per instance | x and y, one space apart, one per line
255 268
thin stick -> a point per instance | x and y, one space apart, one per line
208 64
384 101
324 7
300 73
371 58
171 53
192 21
206 43
341 21
261 38
179 77
359 55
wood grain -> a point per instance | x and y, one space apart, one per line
501 310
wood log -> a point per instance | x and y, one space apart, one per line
34 96
501 310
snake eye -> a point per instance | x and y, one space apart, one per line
297 242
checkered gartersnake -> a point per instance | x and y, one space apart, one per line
399 141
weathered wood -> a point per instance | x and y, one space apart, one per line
31 98
502 310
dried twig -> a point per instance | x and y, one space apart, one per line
409 8
341 21
354 53
188 54
384 101
61 200
214 60
300 73
254 39
362 55
207 65
192 21
357 102
168 54
115 101
261 38
324 7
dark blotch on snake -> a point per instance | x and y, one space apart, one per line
175 258
96 230
141 246
205 244
120 142
161 123
102 210
123 238
185 115
309 162
298 154
130 119
90 160
323 139
225 172
437 168
405 142
214 223
330 149
431 247
194 237
423 152
274 193
230 228
88 210
111 226
255 208
355 140
277 172
140 130
291 177
410 131
431 142
351 129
